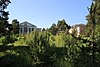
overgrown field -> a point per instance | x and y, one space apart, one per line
42 49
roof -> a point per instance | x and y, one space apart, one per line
25 23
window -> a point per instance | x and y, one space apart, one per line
20 30
32 29
29 29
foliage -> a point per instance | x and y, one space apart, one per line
61 26
15 26
3 17
44 49
40 49
53 29
52 48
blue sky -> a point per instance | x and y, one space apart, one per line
43 13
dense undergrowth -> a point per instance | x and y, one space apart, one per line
42 49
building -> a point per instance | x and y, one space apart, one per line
26 27
77 29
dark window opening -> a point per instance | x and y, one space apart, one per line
32 29
29 29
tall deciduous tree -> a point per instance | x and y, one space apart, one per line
62 25
15 24
53 29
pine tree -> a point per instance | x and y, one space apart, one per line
4 25
96 5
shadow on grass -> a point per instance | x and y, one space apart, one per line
19 58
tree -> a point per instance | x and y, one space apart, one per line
96 17
53 29
93 47
97 13
15 26
40 49
62 26
4 16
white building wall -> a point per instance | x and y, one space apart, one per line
78 31
28 26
